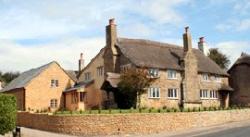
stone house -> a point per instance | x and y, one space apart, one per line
40 88
1 84
185 77
239 80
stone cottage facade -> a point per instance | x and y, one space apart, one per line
40 88
239 80
185 77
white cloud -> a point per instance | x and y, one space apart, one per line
46 18
233 48
234 25
15 57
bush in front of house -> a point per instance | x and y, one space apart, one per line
7 113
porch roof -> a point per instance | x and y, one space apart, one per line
226 88
79 86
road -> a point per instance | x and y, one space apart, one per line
233 129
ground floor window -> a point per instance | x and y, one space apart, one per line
172 93
213 94
203 93
53 103
153 92
74 97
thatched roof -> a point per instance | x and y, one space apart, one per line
243 59
146 53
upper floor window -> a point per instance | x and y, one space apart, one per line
205 77
153 92
217 79
204 94
53 103
171 74
100 71
87 76
172 93
213 94
153 72
54 83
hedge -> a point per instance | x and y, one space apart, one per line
7 113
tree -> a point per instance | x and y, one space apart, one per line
133 84
7 77
219 58
7 113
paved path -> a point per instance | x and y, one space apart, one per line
234 129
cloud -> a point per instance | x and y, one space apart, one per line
39 19
16 57
233 49
234 25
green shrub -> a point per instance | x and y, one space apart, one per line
81 111
159 110
7 113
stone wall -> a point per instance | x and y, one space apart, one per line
137 123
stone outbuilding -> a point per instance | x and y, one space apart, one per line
40 88
239 80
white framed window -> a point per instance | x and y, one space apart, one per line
213 94
153 72
172 93
171 74
87 76
205 77
153 92
100 71
53 103
54 83
204 94
217 79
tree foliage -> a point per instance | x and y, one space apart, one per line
7 113
7 77
133 84
219 58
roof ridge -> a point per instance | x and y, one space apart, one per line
149 42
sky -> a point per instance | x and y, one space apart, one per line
36 32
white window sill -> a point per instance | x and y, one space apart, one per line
172 78
209 98
153 97
173 98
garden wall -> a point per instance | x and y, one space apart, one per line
130 123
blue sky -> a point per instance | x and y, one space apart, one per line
35 32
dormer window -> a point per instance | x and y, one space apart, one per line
205 77
217 79
171 74
153 72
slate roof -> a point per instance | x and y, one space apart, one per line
72 74
146 53
81 84
23 79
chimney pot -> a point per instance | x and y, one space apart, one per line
187 29
202 39
81 56
112 21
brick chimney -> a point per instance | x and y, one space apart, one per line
81 63
187 40
202 45
111 35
